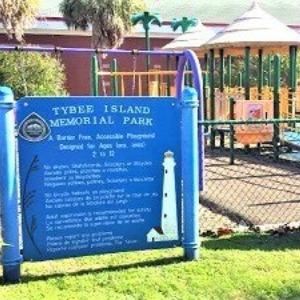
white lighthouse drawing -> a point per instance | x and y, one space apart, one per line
168 228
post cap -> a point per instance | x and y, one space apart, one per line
190 93
190 97
6 94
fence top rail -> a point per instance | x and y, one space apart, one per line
248 122
89 50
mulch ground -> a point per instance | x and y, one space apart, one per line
255 191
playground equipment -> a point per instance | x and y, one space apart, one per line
152 82
38 121
158 85
161 83
147 19
155 82
185 23
258 33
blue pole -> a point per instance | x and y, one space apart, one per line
198 84
11 258
190 173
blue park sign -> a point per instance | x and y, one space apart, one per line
92 173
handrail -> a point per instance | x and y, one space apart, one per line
89 50
139 73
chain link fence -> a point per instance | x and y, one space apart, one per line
251 186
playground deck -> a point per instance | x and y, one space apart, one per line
256 191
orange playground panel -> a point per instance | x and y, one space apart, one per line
253 110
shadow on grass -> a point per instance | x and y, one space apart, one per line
123 267
264 242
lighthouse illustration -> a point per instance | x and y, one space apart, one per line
168 228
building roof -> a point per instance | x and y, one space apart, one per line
255 28
193 38
217 11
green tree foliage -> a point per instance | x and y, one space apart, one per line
17 15
33 74
110 19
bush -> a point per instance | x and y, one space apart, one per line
32 74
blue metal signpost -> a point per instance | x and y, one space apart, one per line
101 174
190 173
11 257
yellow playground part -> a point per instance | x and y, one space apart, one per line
157 81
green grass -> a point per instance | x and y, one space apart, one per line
237 267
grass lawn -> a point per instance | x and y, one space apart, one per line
237 267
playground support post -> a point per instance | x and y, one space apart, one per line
260 73
11 258
114 78
95 76
148 46
205 62
168 76
276 139
269 70
205 95
147 20
292 79
222 70
190 173
240 79
229 70
212 93
247 73
293 68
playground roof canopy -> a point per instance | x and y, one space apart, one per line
192 39
256 29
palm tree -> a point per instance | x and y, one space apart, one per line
109 19
17 15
